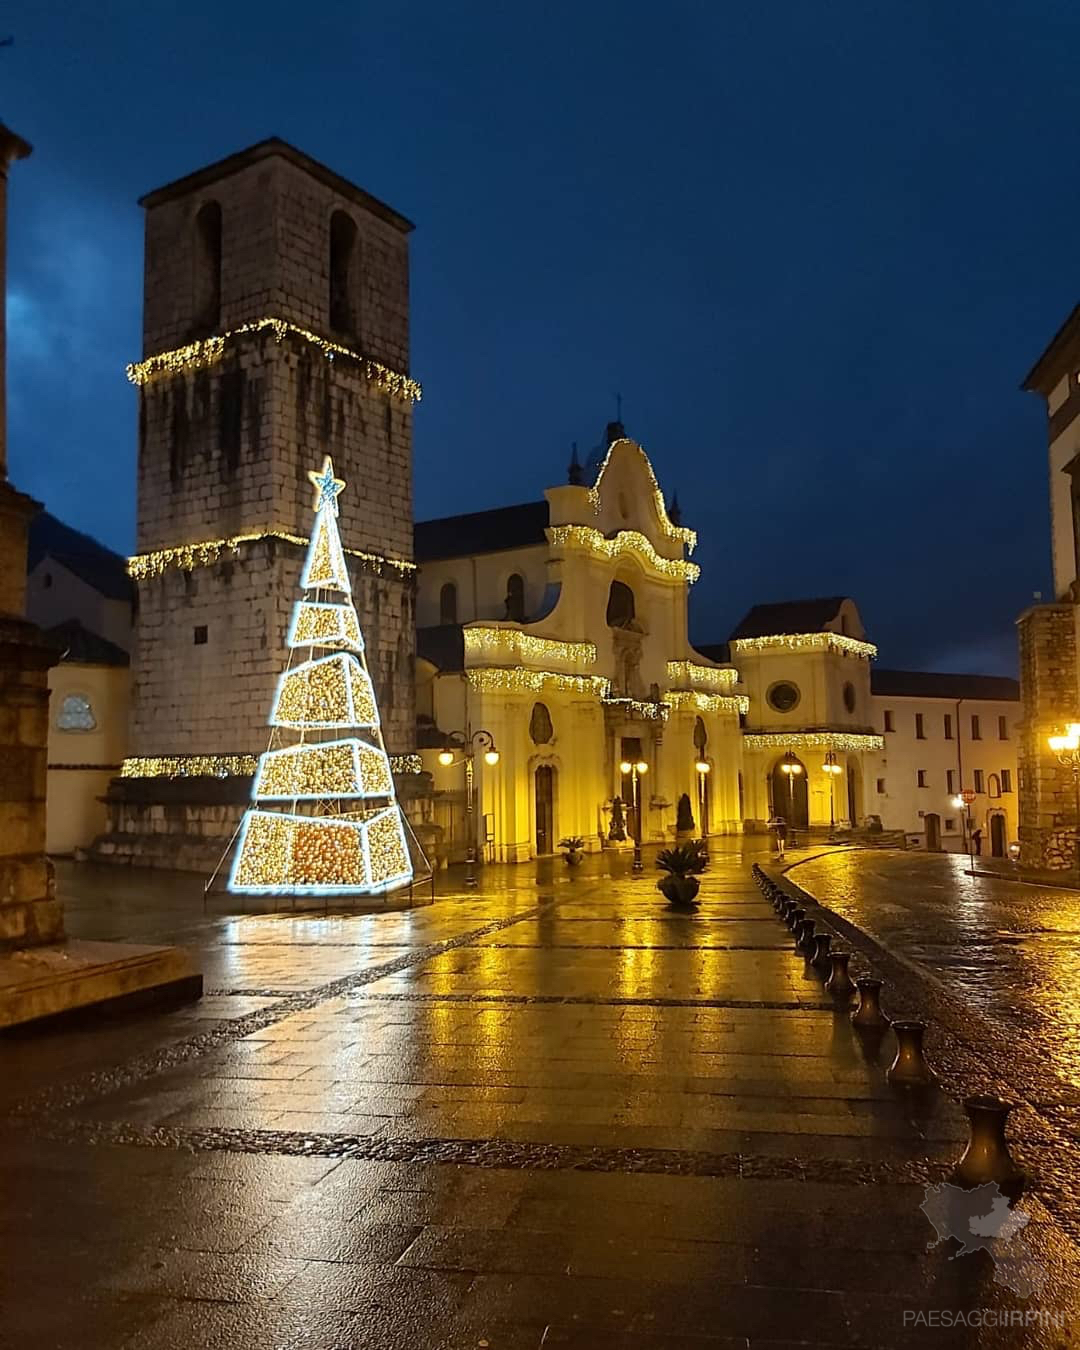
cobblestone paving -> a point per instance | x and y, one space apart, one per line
551 1113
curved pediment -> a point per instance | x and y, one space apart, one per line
627 497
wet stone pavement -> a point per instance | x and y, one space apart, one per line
550 1113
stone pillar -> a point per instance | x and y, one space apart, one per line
1051 698
30 914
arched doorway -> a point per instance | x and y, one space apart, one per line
545 810
997 835
790 796
853 796
932 821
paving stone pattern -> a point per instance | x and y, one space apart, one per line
548 1114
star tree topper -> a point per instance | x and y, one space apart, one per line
327 487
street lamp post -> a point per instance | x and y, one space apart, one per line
703 769
637 771
1067 750
791 766
832 769
962 801
465 743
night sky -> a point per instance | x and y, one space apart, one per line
815 247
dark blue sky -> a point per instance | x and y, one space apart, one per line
816 247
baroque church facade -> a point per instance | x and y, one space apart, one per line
276 329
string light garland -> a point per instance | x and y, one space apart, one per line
673 531
187 557
331 691
625 541
518 646
807 642
226 766
690 675
208 352
830 740
332 849
321 625
638 707
700 701
346 768
320 855
497 679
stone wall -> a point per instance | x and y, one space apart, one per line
1049 693
214 696
30 914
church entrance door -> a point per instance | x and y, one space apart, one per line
997 835
791 798
545 810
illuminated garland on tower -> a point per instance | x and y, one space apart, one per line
324 844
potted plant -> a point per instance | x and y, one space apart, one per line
681 865
684 820
573 847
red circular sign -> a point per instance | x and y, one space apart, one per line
967 796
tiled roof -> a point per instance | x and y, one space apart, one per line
788 616
929 684
480 532
442 644
79 645
95 564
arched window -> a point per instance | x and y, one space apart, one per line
342 268
448 603
620 605
207 268
515 598
540 728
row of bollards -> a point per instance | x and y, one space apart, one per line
986 1157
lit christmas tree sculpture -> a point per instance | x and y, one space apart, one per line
327 820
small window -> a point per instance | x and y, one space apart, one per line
1003 729
950 824
1006 780
849 697
980 785
948 726
950 780
920 734
200 635
976 734
76 714
783 696
515 598
881 787
920 777
889 720
46 582
448 603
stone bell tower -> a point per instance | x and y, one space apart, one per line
275 330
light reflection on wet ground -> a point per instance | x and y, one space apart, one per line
1010 950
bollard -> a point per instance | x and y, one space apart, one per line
819 953
868 1015
839 982
795 917
784 907
909 1068
987 1156
804 936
